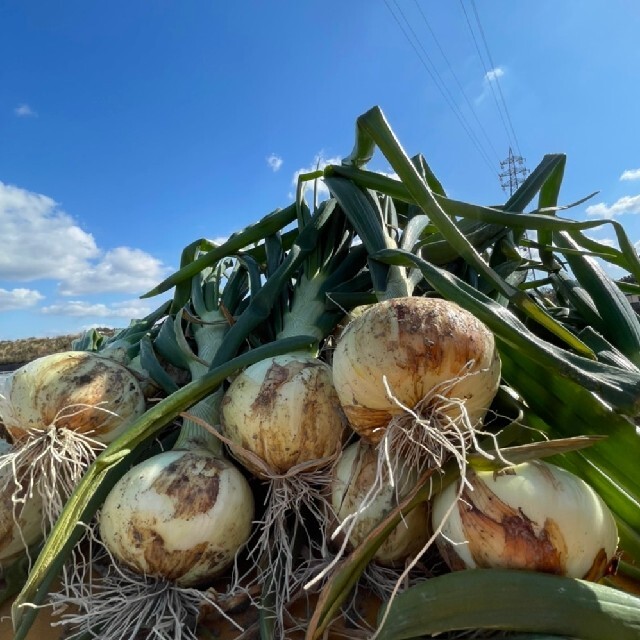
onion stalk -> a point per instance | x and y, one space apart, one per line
533 516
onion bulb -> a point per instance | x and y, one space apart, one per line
284 423
417 345
354 495
180 515
532 516
285 410
76 390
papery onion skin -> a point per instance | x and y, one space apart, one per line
77 390
416 343
352 477
533 516
286 411
181 515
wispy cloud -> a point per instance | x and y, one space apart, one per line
626 204
630 174
12 299
494 74
274 161
42 242
25 111
489 77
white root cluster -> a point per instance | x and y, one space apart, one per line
102 598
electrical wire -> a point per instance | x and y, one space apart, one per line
457 81
486 46
435 76
490 80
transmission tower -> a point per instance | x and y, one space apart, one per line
515 172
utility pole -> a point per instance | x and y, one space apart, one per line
515 173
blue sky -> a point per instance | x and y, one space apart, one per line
129 129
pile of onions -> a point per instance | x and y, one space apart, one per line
532 516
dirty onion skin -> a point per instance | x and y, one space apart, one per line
60 411
181 516
533 516
418 344
353 478
284 422
285 411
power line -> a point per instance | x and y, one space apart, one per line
486 46
487 76
458 83
435 76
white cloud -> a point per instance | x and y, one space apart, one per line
13 299
121 270
630 174
42 242
81 309
25 111
626 204
274 161
490 76
319 162
494 74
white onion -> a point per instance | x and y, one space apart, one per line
532 516
417 344
353 482
181 515
76 390
285 410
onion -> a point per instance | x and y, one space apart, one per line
60 410
417 344
285 411
181 515
76 390
354 497
532 516
283 420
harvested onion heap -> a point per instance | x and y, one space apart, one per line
60 411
